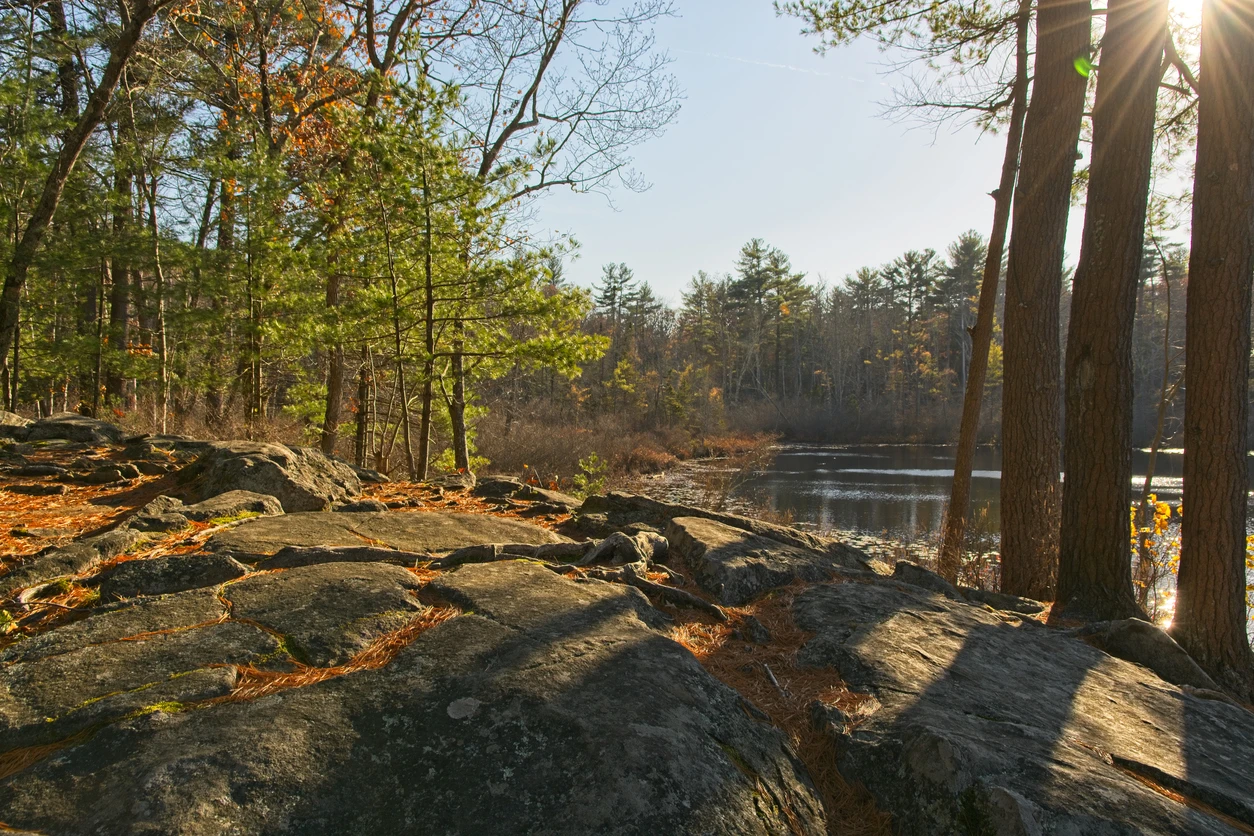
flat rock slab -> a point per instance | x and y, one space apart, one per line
984 722
38 693
328 612
120 621
416 531
737 566
232 505
175 573
70 560
552 709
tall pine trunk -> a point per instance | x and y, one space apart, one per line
1095 556
1210 617
1030 393
982 334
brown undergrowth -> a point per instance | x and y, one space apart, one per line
748 668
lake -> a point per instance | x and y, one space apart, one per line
899 490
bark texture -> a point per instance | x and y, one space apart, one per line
1030 394
1094 559
1210 617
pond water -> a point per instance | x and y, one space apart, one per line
900 490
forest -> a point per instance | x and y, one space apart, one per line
317 221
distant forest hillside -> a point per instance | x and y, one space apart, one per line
879 356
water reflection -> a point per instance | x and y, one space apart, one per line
901 489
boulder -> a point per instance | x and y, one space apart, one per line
232 505
416 531
173 573
1147 645
453 481
39 489
563 501
328 612
291 557
916 575
736 566
38 470
362 505
73 559
70 426
301 479
552 707
619 548
14 426
985 724
1002 601
497 487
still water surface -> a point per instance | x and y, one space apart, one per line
900 490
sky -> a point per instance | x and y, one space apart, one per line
776 142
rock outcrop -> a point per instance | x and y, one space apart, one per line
411 531
70 426
301 479
551 706
983 724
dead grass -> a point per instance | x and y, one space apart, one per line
743 666
16 760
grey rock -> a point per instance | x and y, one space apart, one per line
301 479
14 426
120 621
38 470
417 531
153 468
107 475
622 511
563 501
497 487
453 481
41 489
619 548
991 724
175 573
362 505
1002 601
751 630
158 523
916 575
736 566
552 709
1147 645
328 612
365 474
291 557
232 505
70 426
35 694
73 559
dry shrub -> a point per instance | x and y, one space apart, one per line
645 458
743 666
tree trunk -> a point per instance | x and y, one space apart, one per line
335 373
1095 558
950 558
428 325
163 363
457 406
361 440
1030 392
1210 617
23 254
120 294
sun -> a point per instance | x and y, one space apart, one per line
1187 12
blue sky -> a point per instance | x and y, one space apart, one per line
776 142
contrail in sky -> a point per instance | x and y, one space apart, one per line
788 67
